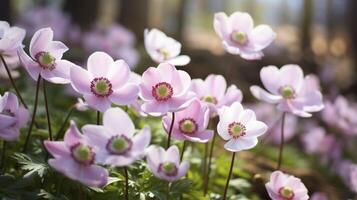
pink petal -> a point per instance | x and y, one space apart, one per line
181 82
255 129
221 25
271 77
240 144
292 75
118 73
246 116
61 73
182 169
80 79
202 137
172 155
155 155
251 55
95 176
23 117
56 49
97 136
12 102
141 140
40 40
57 149
241 21
119 160
125 95
261 94
262 36
72 135
98 103
216 85
11 40
222 130
6 121
232 95
179 60
114 116
31 66
9 134
99 63
155 108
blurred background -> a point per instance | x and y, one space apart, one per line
319 35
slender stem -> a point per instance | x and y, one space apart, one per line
204 163
33 115
3 154
168 190
47 110
183 149
13 82
98 117
281 141
206 181
170 131
126 183
59 133
229 176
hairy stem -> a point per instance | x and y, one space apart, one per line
170 131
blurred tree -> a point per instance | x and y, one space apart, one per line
5 10
134 15
82 13
181 20
352 23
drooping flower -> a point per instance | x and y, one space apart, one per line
288 88
286 187
165 89
114 142
240 127
104 83
213 91
74 157
166 164
162 48
10 38
191 123
341 115
115 40
12 117
239 36
46 58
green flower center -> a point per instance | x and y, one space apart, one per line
119 145
188 126
162 91
169 168
164 52
209 99
239 37
83 153
286 192
46 60
287 92
101 87
236 130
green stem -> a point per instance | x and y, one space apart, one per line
126 183
98 117
47 110
33 115
170 131
281 142
229 177
3 155
59 133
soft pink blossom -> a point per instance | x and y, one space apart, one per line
46 58
115 143
239 36
104 82
162 48
166 164
10 38
214 92
74 157
286 187
288 88
12 117
165 89
190 124
240 127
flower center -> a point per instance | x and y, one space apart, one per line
162 91
101 87
8 113
169 168
286 192
188 126
46 60
164 52
119 145
239 37
236 130
287 92
209 99
83 154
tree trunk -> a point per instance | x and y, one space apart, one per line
82 13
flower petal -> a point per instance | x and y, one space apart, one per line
141 140
125 95
261 94
59 75
240 144
255 129
98 64
80 79
31 66
241 21
117 121
179 60
57 149
262 36
40 40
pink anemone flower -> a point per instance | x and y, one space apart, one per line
46 58
191 123
12 117
115 143
286 187
165 89
105 82
288 88
74 157
240 37
166 164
